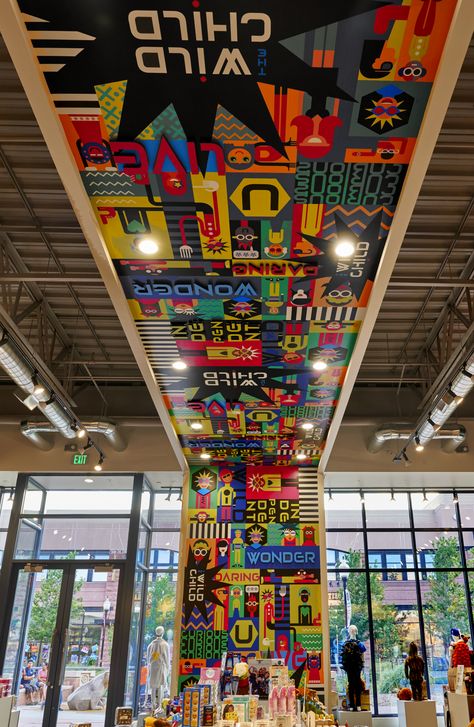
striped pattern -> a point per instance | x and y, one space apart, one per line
221 531
323 313
158 342
308 495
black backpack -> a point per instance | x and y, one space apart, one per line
351 657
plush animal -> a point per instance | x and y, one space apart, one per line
461 655
405 694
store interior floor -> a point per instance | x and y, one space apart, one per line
33 717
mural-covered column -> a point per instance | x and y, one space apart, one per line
252 572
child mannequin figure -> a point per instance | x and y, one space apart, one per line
414 671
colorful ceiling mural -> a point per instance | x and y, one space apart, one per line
228 150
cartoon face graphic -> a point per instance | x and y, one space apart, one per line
289 534
239 157
200 550
342 295
222 547
201 517
226 476
304 595
413 71
244 236
256 535
275 250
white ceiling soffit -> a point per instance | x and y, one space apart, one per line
35 88
431 481
456 47
33 82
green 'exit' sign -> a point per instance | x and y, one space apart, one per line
79 458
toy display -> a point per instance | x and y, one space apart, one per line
414 672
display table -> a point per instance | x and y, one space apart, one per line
415 714
461 709
354 719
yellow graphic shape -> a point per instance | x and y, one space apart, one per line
260 197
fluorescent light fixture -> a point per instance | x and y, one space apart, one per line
147 245
320 366
179 365
345 248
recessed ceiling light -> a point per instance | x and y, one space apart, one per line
307 426
320 366
345 248
196 425
89 480
419 448
205 455
180 365
147 245
81 432
300 455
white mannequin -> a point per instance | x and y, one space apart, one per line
158 658
353 632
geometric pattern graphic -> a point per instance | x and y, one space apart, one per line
252 571
246 140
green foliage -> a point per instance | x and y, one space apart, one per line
445 604
390 680
161 605
45 606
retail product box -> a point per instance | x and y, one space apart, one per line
123 716
414 714
194 700
80 724
461 709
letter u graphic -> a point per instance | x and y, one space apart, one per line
248 639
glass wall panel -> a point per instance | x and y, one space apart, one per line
444 607
59 538
438 549
395 624
348 605
433 510
343 510
387 510
347 549
389 550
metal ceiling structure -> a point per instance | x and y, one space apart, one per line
49 283
428 311
51 288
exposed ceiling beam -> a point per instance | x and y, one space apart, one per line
52 279
418 282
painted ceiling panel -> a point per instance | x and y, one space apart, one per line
245 140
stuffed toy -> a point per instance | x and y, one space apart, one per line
461 654
404 694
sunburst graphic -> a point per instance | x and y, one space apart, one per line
246 353
210 68
243 309
385 111
256 483
216 247
205 479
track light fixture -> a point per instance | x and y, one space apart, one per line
425 499
98 466
392 495
10 497
362 497
168 498
330 494
455 497
180 496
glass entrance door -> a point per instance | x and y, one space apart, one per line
59 650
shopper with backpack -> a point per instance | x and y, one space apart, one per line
352 658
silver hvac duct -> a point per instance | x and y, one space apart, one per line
15 367
452 436
35 431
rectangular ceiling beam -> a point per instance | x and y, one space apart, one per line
51 279
418 282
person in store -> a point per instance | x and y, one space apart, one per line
414 671
28 681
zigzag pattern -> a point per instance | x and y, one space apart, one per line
99 183
228 128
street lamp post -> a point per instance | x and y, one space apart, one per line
106 608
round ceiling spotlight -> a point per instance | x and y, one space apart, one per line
180 365
307 426
147 245
320 366
196 426
300 456
344 249
81 432
205 455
